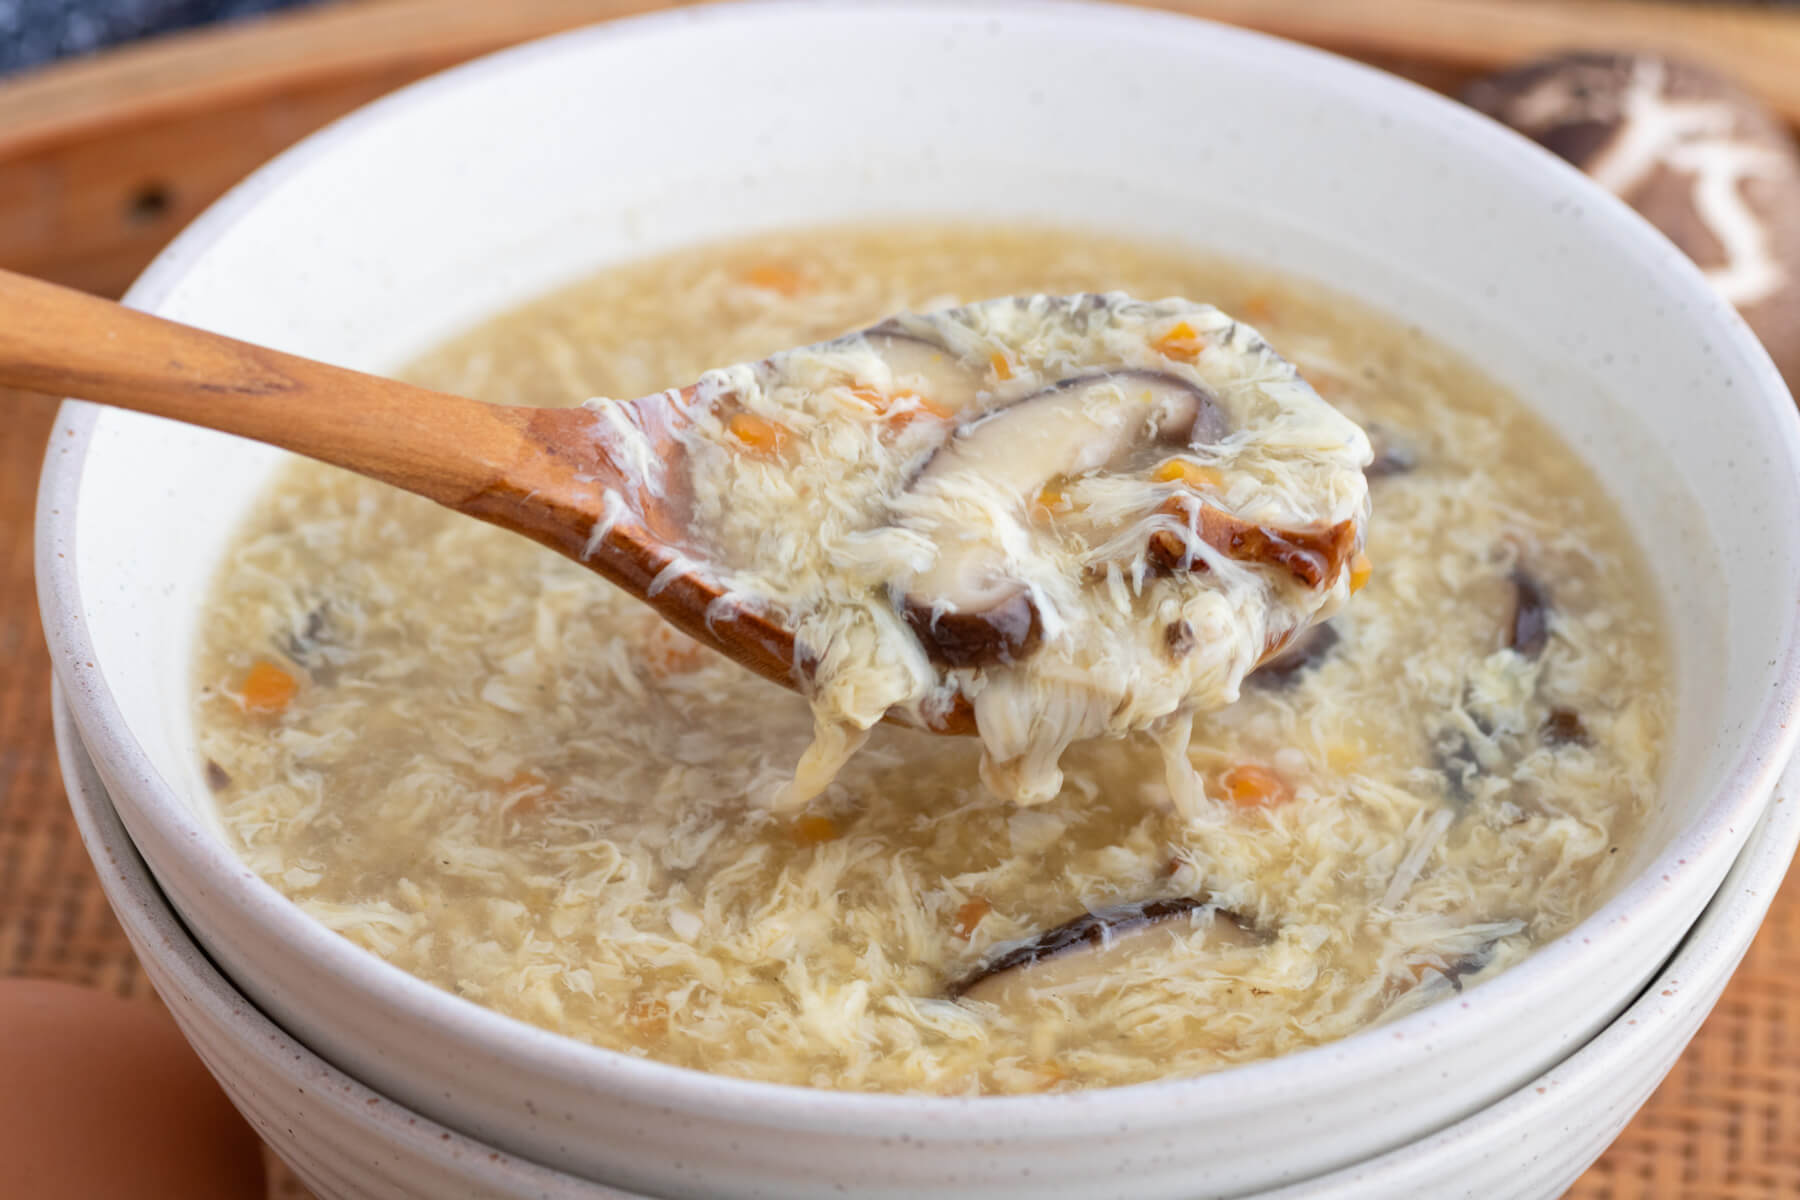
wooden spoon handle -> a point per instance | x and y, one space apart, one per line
547 473
67 343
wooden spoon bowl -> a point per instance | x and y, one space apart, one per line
564 477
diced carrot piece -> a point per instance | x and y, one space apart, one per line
1360 570
668 651
268 690
758 433
778 278
1179 342
970 914
1258 309
1180 470
1002 368
814 830
1251 786
650 1017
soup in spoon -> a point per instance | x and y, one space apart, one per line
1074 515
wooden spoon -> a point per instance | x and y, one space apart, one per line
542 472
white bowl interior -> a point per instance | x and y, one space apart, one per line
492 184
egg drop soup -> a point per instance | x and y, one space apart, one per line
484 764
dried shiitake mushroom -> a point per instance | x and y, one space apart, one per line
1697 155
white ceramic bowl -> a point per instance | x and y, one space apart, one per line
496 181
350 1143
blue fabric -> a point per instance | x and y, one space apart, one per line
39 31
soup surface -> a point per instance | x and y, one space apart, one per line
482 763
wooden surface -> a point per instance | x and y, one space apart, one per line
102 161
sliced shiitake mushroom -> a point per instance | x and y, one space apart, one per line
1464 965
1092 946
937 374
1306 650
217 777
309 644
1529 624
1456 762
1392 456
1312 555
967 608
1564 727
1179 640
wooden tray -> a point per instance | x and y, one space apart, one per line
102 161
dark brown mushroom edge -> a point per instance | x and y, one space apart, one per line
1394 454
1471 744
1288 665
967 608
1105 510
1095 947
1454 974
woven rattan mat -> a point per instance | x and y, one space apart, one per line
1724 1126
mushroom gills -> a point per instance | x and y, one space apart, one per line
1098 946
968 607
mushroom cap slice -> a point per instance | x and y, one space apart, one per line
924 366
970 608
1095 945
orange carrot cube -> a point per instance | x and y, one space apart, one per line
267 689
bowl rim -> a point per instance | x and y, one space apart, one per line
1749 890
1706 847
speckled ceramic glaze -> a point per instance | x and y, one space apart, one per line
350 1143
492 183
